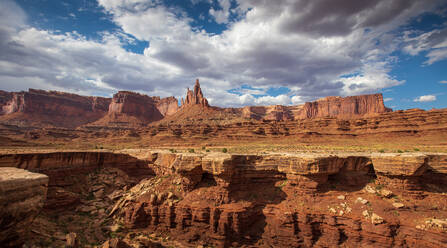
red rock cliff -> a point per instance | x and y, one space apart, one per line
332 106
142 107
53 107
5 97
344 107
167 106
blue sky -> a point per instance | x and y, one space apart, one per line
245 52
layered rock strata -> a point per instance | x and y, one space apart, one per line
39 107
292 200
67 171
412 174
22 196
129 109
344 107
333 106
411 124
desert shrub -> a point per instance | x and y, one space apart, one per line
224 150
400 151
207 150
172 150
203 148
191 150
283 183
416 149
382 150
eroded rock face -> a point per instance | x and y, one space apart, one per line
282 200
271 113
412 173
347 107
54 108
333 106
5 97
134 104
167 106
195 97
22 196
66 171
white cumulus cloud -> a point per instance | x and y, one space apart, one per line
425 98
315 48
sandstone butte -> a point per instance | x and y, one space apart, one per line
59 109
142 171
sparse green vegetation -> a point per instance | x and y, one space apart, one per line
400 151
207 150
224 150
382 150
203 148
416 149
172 150
283 183
191 150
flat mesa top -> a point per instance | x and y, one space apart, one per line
14 174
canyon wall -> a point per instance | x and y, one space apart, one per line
5 97
67 171
54 102
22 196
53 108
234 200
344 107
410 125
306 200
333 106
130 108
167 106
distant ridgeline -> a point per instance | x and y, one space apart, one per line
126 108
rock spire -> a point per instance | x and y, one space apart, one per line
195 97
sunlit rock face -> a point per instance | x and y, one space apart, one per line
195 97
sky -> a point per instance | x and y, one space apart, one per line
245 52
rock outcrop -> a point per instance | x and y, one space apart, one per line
39 107
344 107
412 174
306 200
167 106
5 97
194 97
333 106
269 113
130 109
67 169
22 196
134 104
